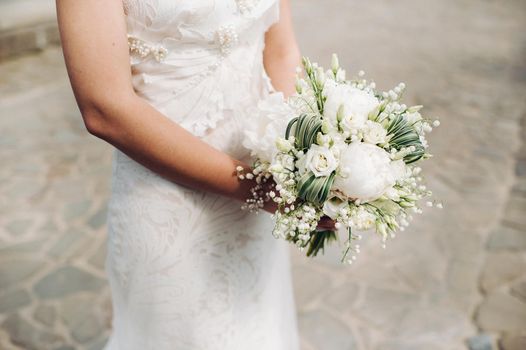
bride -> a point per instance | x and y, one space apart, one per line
169 83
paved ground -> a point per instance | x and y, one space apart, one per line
457 278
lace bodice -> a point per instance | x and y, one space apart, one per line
186 55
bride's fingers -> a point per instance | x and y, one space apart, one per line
326 223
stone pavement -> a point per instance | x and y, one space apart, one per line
455 280
26 26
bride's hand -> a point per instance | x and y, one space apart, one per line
326 223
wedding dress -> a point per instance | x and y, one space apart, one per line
188 269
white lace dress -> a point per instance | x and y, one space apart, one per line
188 269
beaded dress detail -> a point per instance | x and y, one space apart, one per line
188 269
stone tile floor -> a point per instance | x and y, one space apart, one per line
456 279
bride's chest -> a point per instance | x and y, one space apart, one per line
194 16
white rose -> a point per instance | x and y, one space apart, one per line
269 122
320 160
356 105
333 205
374 133
369 171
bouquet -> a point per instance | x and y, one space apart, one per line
341 149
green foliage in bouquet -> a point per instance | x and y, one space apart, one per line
351 115
318 241
315 189
315 76
305 129
403 135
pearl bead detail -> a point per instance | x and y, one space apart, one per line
226 37
144 49
246 6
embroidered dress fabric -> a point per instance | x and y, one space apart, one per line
188 269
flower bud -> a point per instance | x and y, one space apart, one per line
405 204
414 109
340 113
381 229
283 145
335 63
320 76
340 75
325 127
322 139
299 88
276 168
306 63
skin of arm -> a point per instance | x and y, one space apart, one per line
95 46
282 55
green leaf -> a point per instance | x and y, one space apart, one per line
305 129
315 189
318 240
403 135
290 126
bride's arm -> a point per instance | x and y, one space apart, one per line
95 48
282 55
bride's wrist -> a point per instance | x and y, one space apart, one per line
270 205
256 195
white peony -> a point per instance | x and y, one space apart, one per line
369 172
374 133
269 122
399 169
356 105
320 160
